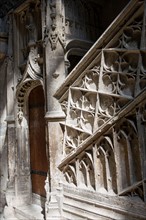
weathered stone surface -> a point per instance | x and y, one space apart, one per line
94 113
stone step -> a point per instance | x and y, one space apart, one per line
29 212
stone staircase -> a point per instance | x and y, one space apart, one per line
29 212
82 204
103 98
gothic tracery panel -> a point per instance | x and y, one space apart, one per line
129 150
109 95
86 168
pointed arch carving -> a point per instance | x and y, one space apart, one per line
106 165
70 174
31 78
129 150
86 167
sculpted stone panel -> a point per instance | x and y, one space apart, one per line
95 168
113 164
106 88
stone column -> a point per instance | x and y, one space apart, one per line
54 74
10 161
3 138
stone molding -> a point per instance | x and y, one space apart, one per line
31 78
100 206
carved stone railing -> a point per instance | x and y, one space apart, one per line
104 102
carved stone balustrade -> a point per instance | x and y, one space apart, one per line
104 102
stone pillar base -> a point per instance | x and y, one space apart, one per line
52 209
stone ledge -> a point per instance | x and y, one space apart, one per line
96 204
29 212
